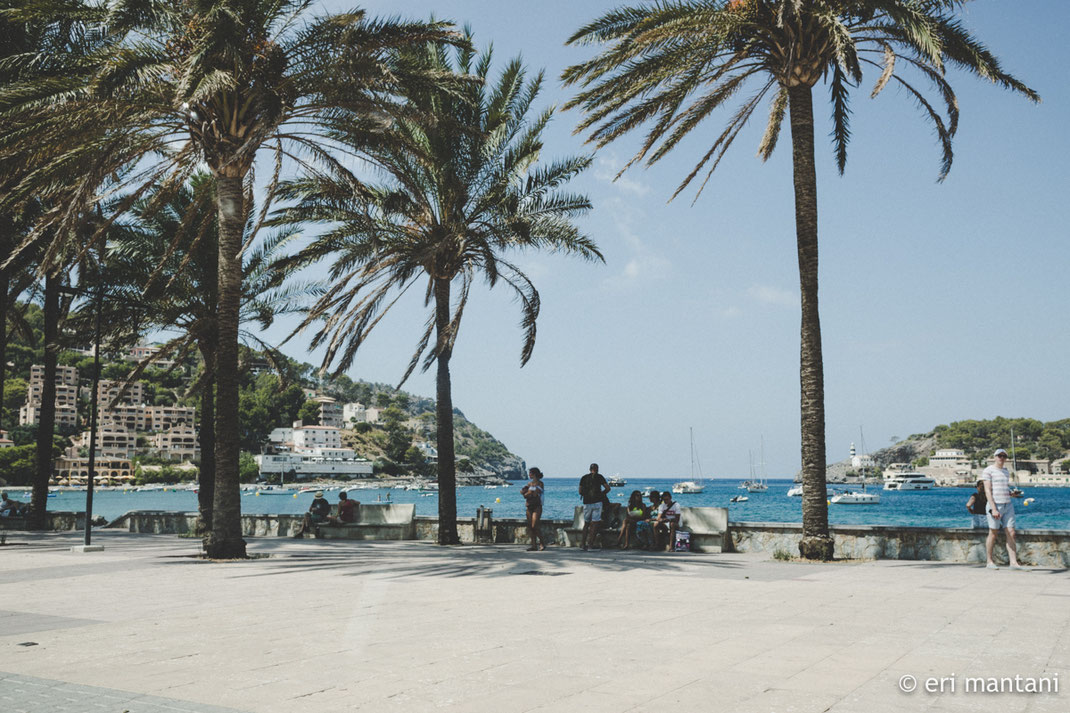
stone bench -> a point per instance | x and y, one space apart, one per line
12 523
607 536
708 527
374 522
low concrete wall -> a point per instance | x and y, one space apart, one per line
54 520
1038 548
504 531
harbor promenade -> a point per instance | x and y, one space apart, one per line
146 627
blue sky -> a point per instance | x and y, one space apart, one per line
939 302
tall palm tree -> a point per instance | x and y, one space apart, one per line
183 83
466 188
671 65
162 268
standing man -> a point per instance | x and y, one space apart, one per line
1000 510
593 490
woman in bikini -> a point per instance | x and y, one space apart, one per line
533 493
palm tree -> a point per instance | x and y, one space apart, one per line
670 65
161 271
466 189
176 85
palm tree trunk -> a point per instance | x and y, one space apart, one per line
816 542
46 423
206 474
447 473
225 540
4 286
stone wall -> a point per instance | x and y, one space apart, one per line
1038 548
54 520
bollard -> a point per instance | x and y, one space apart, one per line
484 526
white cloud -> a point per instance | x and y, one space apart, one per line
641 264
606 168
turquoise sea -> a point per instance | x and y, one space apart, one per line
940 507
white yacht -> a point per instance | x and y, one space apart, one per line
909 481
795 491
616 481
856 497
687 487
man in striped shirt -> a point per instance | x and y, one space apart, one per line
997 480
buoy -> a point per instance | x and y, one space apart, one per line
1028 501
258 493
497 500
295 495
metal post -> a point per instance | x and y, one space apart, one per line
93 399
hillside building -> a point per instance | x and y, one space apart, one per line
178 443
330 412
66 396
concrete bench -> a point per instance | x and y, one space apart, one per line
607 537
12 523
374 522
708 527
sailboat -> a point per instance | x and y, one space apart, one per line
1016 492
759 486
690 487
856 497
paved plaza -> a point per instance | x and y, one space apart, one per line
146 627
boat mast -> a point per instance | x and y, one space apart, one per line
691 433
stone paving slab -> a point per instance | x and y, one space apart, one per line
27 694
330 626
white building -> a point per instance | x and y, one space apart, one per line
281 436
307 438
353 413
953 458
861 461
371 415
6 442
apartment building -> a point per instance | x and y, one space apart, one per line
330 412
178 443
112 442
66 415
75 471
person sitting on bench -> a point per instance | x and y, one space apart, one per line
667 520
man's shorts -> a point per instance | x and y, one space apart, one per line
592 512
317 518
1006 512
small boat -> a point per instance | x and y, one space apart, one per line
795 491
856 497
490 487
616 481
739 499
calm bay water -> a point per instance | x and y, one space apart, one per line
941 507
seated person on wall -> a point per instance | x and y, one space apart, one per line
317 514
636 512
11 508
347 510
667 520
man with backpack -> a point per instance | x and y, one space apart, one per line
593 490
